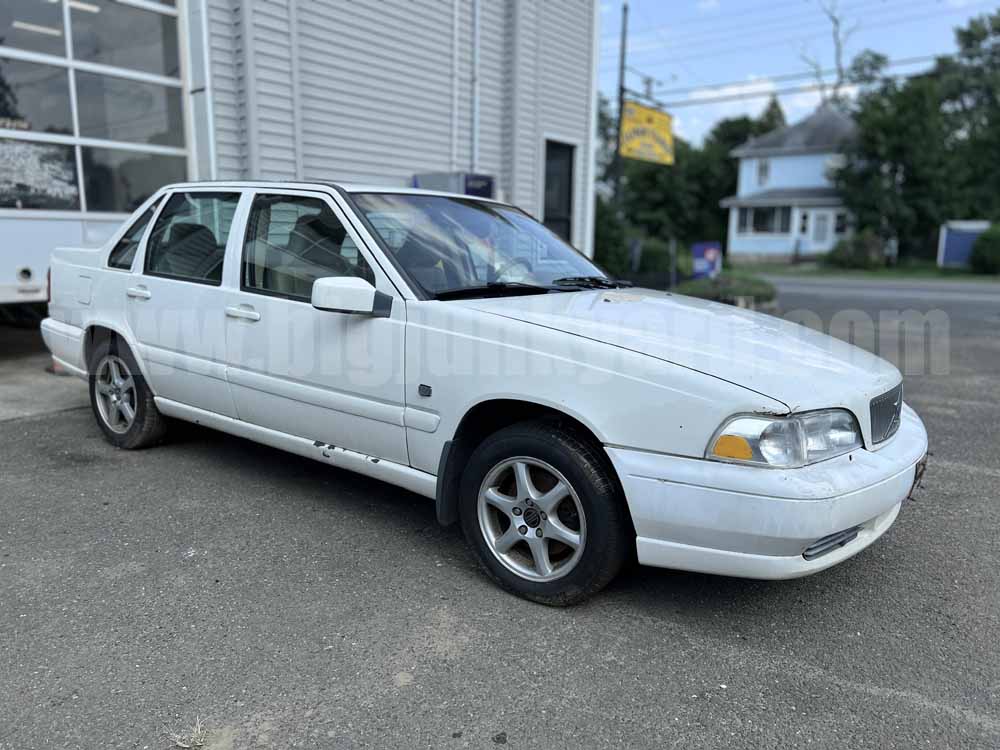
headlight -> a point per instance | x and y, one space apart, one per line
786 442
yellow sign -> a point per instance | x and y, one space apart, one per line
647 134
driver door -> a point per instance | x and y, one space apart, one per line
326 376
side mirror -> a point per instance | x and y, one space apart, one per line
349 294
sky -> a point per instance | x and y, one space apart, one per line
690 46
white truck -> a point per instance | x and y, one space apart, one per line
455 347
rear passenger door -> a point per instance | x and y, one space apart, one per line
327 376
175 306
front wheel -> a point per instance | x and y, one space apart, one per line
544 513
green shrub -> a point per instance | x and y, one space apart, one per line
656 258
985 256
862 251
728 286
610 247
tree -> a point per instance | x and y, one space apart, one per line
971 91
606 133
927 147
772 118
898 178
8 99
841 34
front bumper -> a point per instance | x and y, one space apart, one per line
751 522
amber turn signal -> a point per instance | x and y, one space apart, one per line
733 446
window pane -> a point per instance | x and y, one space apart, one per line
33 25
189 239
443 243
34 97
37 175
744 220
291 242
786 220
124 252
763 220
127 37
121 110
117 180
763 171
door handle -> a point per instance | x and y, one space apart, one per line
244 312
138 292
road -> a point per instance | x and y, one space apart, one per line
286 604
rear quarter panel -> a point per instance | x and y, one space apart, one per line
86 292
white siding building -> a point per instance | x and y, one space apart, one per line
785 203
102 101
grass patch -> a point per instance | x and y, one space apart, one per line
905 269
190 739
729 287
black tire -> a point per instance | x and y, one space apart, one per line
148 426
584 466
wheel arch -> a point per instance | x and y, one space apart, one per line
482 420
97 332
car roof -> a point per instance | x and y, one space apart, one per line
348 187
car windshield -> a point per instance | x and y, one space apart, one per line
448 244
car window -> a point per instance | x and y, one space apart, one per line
124 251
448 243
291 241
189 239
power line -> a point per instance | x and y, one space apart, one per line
683 23
758 94
811 20
684 65
729 50
802 75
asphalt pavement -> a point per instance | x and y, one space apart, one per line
285 604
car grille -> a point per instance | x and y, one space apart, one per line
885 410
829 543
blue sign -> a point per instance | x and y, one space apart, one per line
707 259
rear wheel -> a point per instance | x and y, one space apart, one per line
544 514
120 398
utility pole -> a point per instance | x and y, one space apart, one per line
617 164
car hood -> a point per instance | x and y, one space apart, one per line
788 362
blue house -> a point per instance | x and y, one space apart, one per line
785 204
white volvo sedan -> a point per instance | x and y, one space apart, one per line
455 347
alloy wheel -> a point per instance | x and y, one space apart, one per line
531 519
116 394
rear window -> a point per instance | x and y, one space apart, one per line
124 252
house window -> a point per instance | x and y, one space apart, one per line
744 221
776 220
840 225
558 215
763 171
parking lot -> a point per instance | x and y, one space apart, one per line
287 604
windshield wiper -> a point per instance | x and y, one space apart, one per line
493 289
592 282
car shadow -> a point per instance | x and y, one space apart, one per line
18 341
